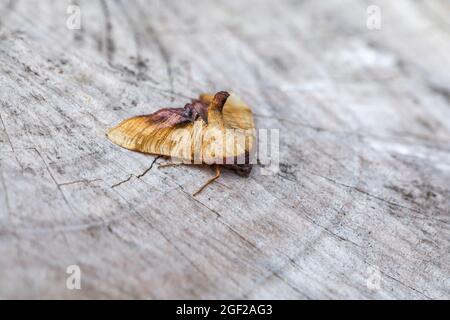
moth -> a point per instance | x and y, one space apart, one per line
216 129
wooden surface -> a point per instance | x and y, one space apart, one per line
363 188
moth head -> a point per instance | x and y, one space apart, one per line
189 113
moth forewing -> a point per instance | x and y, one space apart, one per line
181 145
240 145
230 146
197 142
235 146
213 145
251 146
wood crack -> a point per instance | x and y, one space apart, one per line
405 285
136 176
84 181
333 233
366 193
54 180
150 223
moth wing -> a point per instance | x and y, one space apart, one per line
201 109
236 113
238 134
166 132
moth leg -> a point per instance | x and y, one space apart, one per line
217 169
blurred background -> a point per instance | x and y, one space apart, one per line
358 89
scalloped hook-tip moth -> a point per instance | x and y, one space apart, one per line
215 129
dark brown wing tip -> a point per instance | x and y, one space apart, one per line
219 100
201 109
221 97
225 94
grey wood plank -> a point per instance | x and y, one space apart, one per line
363 187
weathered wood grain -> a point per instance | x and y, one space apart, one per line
364 119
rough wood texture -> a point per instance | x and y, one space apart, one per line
364 120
